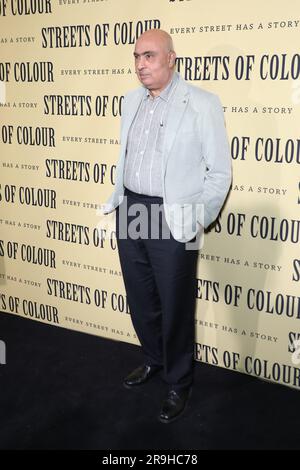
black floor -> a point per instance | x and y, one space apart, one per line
63 390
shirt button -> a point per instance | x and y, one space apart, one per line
142 152
146 132
151 112
137 173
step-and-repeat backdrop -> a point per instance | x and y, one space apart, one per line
64 68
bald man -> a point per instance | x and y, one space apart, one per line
172 178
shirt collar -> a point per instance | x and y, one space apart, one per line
165 93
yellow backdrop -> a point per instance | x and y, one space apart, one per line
64 68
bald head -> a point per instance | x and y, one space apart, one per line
154 59
160 36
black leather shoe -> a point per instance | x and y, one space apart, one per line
174 405
140 376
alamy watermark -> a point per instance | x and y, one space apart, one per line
2 92
296 353
2 352
156 221
295 96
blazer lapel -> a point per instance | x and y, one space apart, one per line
174 117
132 110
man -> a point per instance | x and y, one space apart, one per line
174 156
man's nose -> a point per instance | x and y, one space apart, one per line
140 63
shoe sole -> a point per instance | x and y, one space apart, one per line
130 387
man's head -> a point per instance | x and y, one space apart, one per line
154 59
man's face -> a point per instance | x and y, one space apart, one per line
153 63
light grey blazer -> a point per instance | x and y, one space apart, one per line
196 169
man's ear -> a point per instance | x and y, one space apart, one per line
172 58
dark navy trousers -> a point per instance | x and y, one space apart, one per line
160 281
